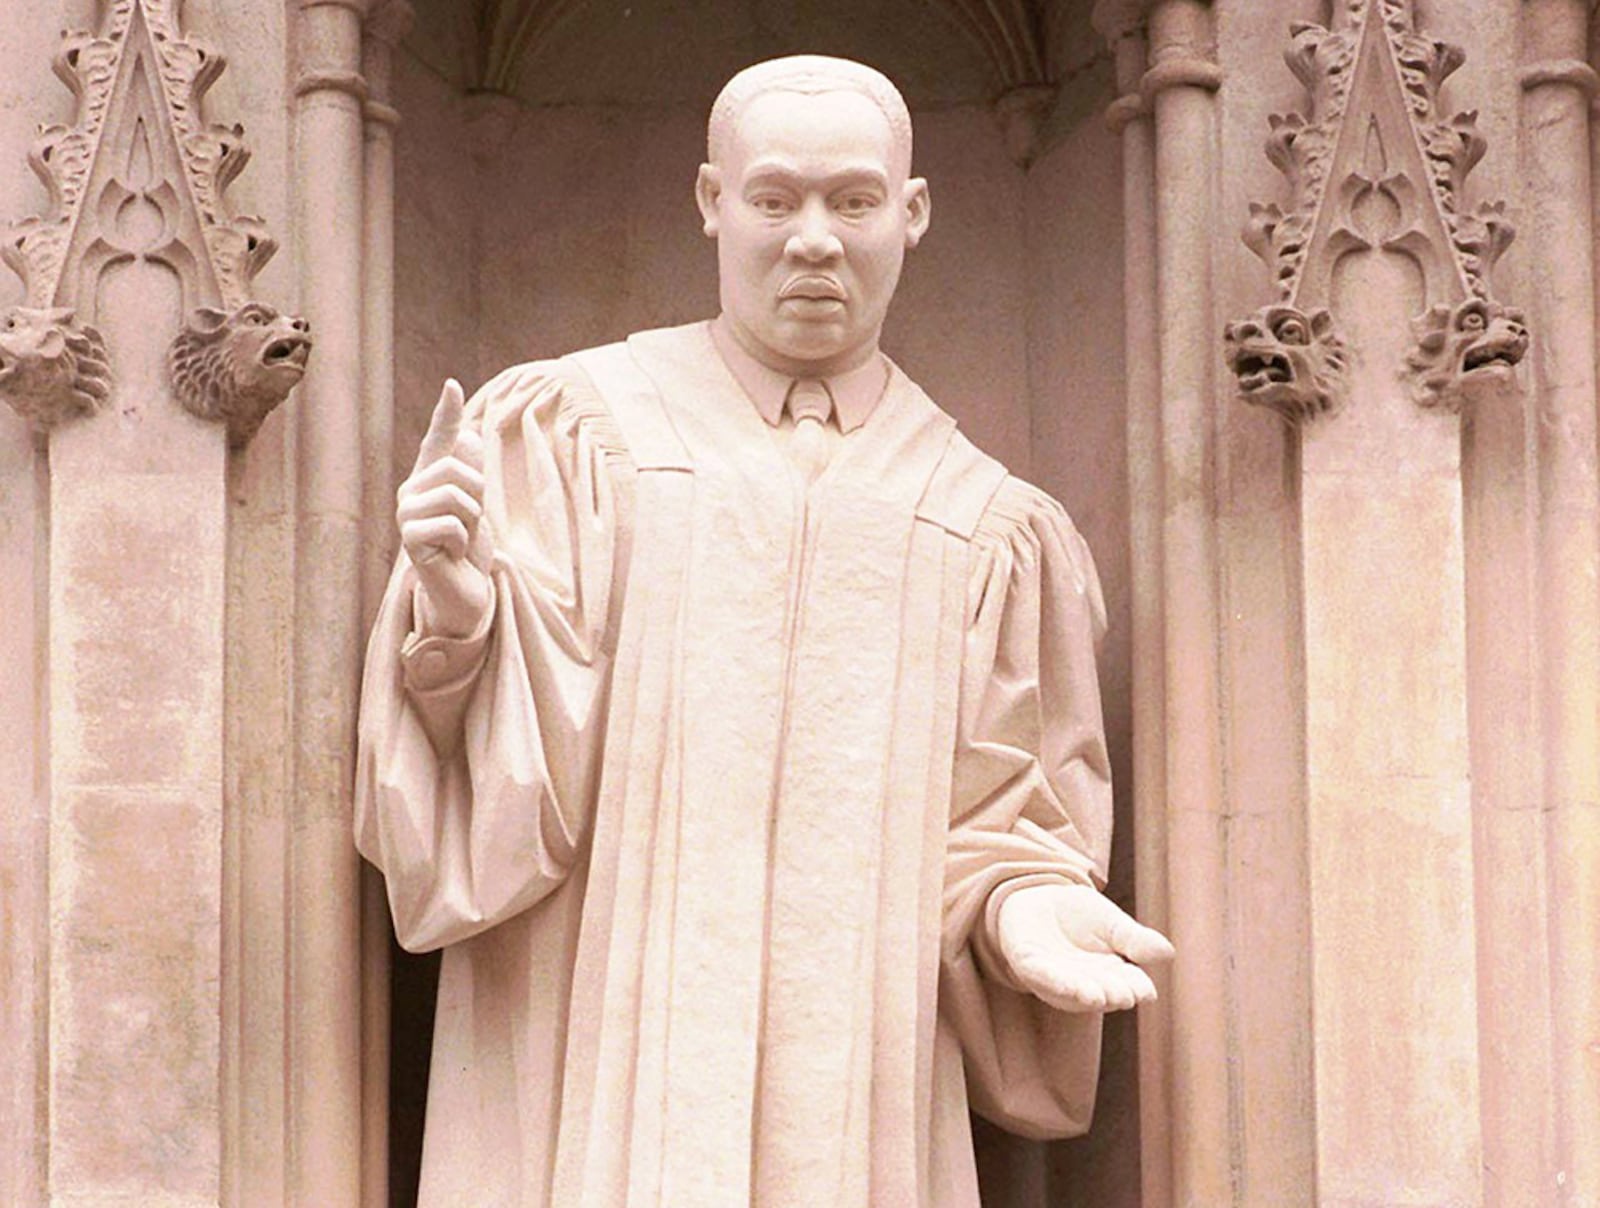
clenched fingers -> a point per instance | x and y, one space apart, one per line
448 471
430 537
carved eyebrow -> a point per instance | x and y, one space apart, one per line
782 172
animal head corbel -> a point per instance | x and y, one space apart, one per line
51 367
235 368
1288 360
1465 353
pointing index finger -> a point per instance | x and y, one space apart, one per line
444 429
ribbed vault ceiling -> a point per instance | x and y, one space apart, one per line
649 52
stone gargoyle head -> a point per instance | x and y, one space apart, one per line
1287 359
1465 350
51 368
237 367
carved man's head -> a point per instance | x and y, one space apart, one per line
51 368
1286 359
809 195
237 367
1473 346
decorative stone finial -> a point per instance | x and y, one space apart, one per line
1373 132
139 143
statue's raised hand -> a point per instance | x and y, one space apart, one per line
440 514
1073 947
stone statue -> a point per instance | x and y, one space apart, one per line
732 722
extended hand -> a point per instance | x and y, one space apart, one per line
1067 944
440 512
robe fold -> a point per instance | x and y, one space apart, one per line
716 811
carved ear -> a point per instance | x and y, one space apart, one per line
707 193
60 314
207 319
54 343
1321 323
919 210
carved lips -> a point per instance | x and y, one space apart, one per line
812 287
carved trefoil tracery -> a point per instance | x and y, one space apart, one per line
140 175
1374 164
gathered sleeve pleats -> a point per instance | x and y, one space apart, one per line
1031 802
479 757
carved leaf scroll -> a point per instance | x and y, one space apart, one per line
1374 162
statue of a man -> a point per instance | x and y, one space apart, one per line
734 722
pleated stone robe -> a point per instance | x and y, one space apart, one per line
714 815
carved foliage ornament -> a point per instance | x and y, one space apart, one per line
139 85
1373 163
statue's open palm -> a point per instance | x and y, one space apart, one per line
1076 949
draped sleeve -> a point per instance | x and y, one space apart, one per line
1031 803
478 757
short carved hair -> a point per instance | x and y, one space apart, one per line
808 75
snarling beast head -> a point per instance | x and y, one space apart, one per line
51 369
1287 360
1465 350
237 367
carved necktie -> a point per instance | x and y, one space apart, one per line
809 405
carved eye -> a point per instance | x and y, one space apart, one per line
771 205
1471 320
856 205
254 318
1292 331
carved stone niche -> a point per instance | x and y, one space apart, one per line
141 176
1372 165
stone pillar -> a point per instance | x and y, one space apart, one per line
138 358
1559 87
1378 623
29 95
1179 85
324 899
385 27
1122 25
1387 331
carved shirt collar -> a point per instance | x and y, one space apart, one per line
855 393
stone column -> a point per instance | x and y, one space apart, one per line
1122 25
1180 85
385 27
29 95
1558 87
324 898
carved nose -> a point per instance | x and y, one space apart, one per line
815 239
303 326
1247 331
